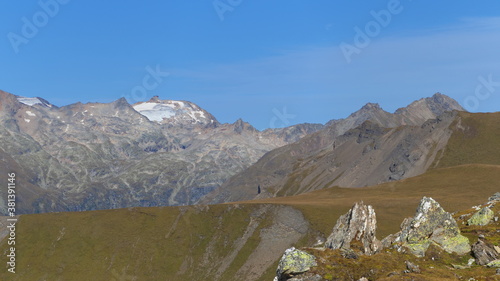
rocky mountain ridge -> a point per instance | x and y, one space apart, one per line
369 147
99 156
166 153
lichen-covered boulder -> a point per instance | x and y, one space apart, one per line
482 217
360 224
294 262
432 225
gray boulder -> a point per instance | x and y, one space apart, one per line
294 262
360 224
484 252
432 225
481 217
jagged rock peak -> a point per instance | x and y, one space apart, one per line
371 105
240 126
121 103
360 224
155 99
432 225
437 105
369 108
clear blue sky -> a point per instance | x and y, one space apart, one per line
254 59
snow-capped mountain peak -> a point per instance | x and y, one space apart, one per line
172 111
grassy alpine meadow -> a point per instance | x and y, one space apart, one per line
216 242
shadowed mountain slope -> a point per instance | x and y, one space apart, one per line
378 150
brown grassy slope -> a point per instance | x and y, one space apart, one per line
171 243
475 139
198 243
455 188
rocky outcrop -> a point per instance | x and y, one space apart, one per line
432 225
358 224
432 232
494 198
294 262
482 217
484 252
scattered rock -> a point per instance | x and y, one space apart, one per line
359 224
363 279
498 271
348 254
457 266
307 277
394 273
413 268
495 197
482 217
294 262
484 252
432 224
389 240
471 262
495 263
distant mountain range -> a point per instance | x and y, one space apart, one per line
100 156
164 153
369 147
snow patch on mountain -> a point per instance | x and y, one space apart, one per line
170 109
33 101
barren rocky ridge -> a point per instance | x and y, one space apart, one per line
166 153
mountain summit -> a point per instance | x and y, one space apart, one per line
428 108
175 112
